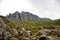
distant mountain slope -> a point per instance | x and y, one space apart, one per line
25 16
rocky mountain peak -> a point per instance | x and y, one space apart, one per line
25 16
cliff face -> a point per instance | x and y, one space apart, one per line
25 16
14 16
29 16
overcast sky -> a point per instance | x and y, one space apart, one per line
42 8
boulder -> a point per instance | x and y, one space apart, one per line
14 32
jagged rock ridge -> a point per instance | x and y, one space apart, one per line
25 16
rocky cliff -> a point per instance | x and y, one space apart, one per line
25 16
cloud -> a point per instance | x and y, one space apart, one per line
47 8
1 1
42 8
10 6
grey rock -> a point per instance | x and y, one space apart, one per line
25 16
14 32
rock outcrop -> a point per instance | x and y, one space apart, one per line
25 16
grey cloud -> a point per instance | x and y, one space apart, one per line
1 1
48 8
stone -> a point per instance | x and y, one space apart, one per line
14 32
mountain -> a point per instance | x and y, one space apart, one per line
25 16
16 30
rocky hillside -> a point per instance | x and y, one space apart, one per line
25 30
25 16
19 26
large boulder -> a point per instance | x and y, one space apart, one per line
14 32
42 37
6 35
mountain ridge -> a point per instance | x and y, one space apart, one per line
25 16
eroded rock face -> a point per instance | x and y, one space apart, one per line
25 16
